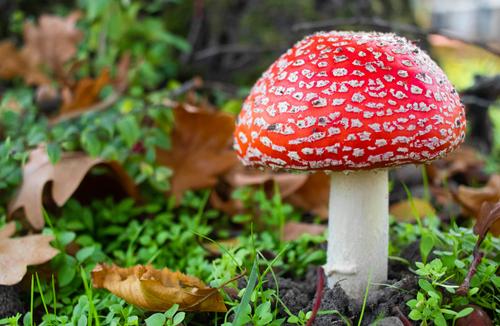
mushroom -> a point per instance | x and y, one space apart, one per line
353 104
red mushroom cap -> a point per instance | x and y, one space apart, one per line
350 101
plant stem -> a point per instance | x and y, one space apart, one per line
320 285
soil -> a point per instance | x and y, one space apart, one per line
298 294
10 301
382 302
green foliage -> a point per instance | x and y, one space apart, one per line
438 280
171 317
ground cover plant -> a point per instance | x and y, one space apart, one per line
122 201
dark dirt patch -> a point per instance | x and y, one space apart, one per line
384 301
10 301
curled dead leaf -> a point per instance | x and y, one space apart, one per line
471 199
65 175
465 161
85 93
488 220
18 253
409 210
201 149
157 290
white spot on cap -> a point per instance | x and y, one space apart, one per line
338 101
339 72
358 152
358 97
416 90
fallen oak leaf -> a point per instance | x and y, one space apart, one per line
65 175
471 199
287 183
52 42
18 253
200 149
240 176
294 230
157 290
13 64
466 161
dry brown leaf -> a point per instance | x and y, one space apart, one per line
313 195
405 210
85 93
465 160
65 175
240 176
293 230
201 149
157 290
287 183
488 220
471 199
17 253
52 42
13 64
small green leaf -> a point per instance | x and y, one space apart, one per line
171 311
178 318
90 142
425 285
426 245
415 315
464 312
67 271
129 130
439 320
157 319
84 253
54 152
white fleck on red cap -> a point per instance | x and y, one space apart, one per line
350 101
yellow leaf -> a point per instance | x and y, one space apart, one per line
157 290
406 211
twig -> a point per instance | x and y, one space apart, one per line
193 83
195 28
402 317
376 22
101 106
320 284
463 289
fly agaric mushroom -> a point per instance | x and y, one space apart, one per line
355 104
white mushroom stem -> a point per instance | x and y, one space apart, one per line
358 230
